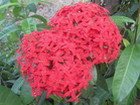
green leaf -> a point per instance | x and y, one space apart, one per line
2 15
138 32
134 8
138 84
41 18
100 77
7 5
94 74
127 72
13 1
109 83
2 2
26 94
34 1
17 85
32 7
47 103
13 37
42 99
28 25
100 96
126 42
89 92
122 20
17 10
130 35
7 30
56 99
130 99
7 97
42 26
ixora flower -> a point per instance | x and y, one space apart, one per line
59 60
53 64
92 22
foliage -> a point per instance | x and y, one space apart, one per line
117 83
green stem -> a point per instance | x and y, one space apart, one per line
9 4
137 34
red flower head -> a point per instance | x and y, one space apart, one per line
90 23
59 60
53 64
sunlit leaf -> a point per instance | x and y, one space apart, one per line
126 42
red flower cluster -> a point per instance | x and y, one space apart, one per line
59 60
90 22
54 64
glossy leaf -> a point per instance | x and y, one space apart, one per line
7 97
17 85
127 72
122 20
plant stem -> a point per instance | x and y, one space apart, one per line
9 4
137 34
